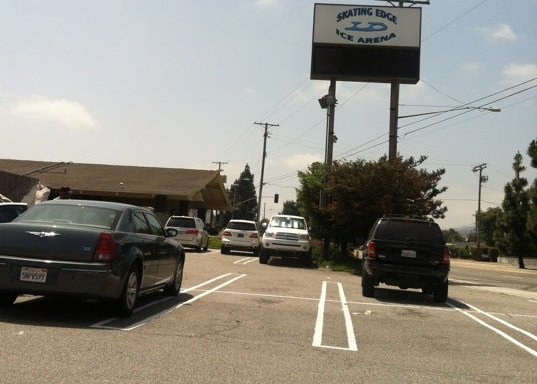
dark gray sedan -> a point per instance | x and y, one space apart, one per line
92 249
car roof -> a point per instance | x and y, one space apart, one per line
298 217
408 218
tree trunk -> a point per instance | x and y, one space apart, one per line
521 262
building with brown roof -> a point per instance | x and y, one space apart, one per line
170 190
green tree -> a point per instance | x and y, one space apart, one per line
514 238
532 195
311 185
361 191
488 222
243 197
452 236
290 207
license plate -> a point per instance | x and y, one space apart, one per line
240 235
34 275
408 253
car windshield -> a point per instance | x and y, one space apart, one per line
401 230
288 222
181 222
242 226
72 214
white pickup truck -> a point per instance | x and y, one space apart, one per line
286 236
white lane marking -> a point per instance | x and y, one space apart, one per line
245 261
101 325
318 334
509 325
348 321
503 334
533 301
195 298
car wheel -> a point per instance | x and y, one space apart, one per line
256 251
174 288
223 250
128 297
206 245
440 293
7 298
368 285
263 256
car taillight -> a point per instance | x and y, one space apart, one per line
192 232
105 251
226 234
254 236
371 250
445 257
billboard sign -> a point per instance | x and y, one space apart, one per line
366 43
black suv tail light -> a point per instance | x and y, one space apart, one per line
371 250
445 257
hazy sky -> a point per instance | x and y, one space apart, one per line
180 84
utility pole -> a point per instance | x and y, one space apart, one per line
328 102
482 179
265 136
220 163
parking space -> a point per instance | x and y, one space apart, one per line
312 324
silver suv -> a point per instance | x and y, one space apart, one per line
286 236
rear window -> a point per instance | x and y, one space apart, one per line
401 230
181 222
73 214
241 226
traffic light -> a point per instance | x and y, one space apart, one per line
276 197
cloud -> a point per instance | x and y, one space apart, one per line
266 3
500 32
471 67
514 73
301 160
39 109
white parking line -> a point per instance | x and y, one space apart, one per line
245 261
503 334
318 334
101 325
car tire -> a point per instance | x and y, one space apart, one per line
263 256
174 287
368 285
7 299
129 294
224 250
440 293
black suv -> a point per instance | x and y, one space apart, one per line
407 252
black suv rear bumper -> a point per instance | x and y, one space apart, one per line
406 276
